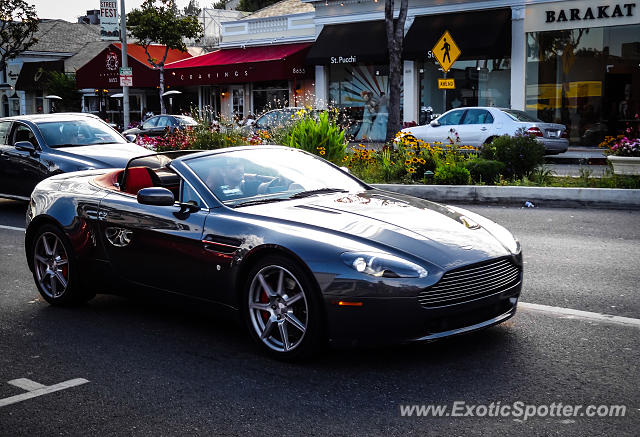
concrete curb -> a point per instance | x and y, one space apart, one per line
540 196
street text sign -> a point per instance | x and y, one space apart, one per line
109 26
446 84
126 76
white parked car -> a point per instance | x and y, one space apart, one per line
480 125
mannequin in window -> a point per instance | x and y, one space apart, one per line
367 118
379 127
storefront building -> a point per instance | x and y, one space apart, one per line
231 83
352 60
99 82
260 64
583 66
24 80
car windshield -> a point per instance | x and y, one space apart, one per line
516 115
186 120
249 176
78 132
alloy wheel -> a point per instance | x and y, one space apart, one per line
51 264
278 308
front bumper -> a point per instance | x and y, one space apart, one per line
381 320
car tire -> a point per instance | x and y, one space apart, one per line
283 309
488 141
55 267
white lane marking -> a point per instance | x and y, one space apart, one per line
12 228
24 383
569 313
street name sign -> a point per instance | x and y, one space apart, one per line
126 76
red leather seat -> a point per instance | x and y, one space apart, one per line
137 178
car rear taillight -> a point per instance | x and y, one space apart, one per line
564 134
535 131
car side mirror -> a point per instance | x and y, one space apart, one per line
25 146
345 169
131 138
157 196
434 123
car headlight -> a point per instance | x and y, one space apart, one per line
382 265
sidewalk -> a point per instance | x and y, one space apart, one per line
612 198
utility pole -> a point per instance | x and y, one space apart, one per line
125 89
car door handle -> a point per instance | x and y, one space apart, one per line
483 128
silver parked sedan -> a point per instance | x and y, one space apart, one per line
480 125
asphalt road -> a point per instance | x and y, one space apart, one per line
162 369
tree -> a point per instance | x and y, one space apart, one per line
220 4
193 8
395 43
157 21
64 85
254 5
18 24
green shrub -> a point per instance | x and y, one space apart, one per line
452 174
205 138
319 135
484 170
520 153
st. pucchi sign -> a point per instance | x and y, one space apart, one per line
580 14
344 59
109 27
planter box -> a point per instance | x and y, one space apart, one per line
625 165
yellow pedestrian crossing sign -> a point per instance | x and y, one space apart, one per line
446 51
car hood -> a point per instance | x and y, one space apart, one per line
445 236
102 155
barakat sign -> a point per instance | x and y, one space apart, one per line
598 12
579 14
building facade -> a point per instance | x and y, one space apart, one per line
261 63
23 90
573 62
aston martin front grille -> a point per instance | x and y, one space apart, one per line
471 282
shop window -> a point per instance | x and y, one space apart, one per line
586 79
5 105
14 106
270 95
362 93
479 82
39 101
237 101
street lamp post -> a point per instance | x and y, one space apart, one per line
125 89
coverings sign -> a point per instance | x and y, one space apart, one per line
109 27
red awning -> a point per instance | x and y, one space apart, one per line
103 71
251 64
